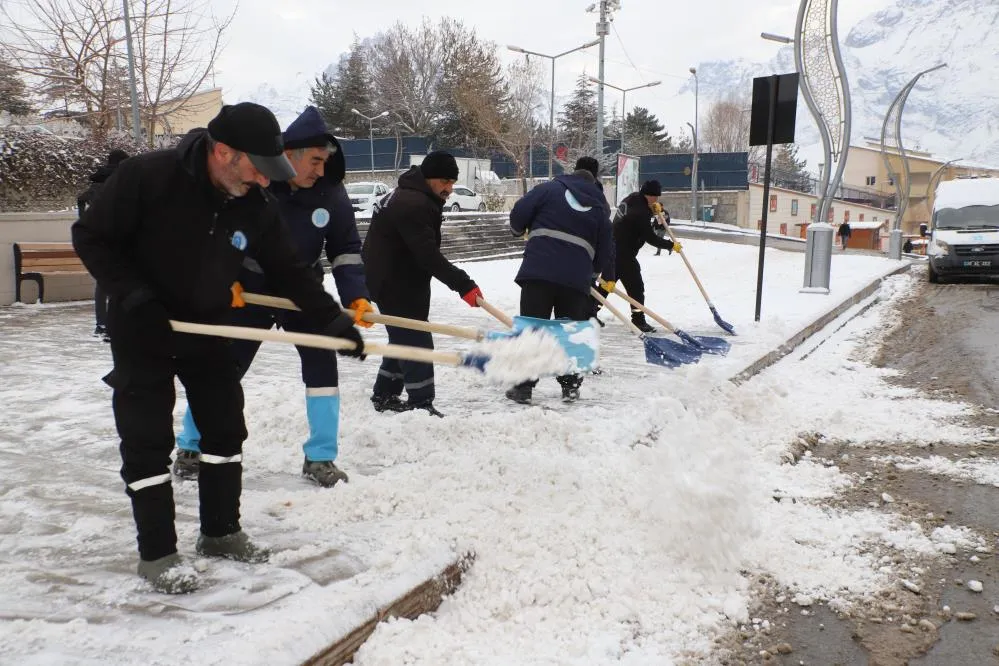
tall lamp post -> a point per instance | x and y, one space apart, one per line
624 101
693 166
133 91
551 121
371 134
931 186
901 195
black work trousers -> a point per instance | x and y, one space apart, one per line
394 375
541 299
143 402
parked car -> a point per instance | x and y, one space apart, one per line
363 195
463 198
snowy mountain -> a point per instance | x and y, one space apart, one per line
953 112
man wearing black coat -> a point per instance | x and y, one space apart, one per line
401 254
167 238
633 228
115 157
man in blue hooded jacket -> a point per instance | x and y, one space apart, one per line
569 239
317 212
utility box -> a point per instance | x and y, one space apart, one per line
818 258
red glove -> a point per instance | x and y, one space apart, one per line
472 296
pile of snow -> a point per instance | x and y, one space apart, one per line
528 355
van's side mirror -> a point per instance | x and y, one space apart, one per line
923 230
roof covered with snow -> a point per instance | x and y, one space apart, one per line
967 192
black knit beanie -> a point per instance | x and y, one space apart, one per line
439 164
651 188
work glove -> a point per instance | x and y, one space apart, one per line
607 285
472 296
657 208
237 295
361 306
343 327
151 324
677 247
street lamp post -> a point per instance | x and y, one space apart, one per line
133 91
693 166
371 134
553 58
624 101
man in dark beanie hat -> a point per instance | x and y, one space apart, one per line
401 254
167 238
315 207
633 228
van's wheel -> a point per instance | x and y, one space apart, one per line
932 275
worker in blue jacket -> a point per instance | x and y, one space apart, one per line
318 214
569 240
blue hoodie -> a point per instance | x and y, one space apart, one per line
570 237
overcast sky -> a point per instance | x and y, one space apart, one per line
286 43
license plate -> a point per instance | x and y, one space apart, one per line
977 263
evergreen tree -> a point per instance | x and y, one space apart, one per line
577 121
344 88
788 171
13 97
645 134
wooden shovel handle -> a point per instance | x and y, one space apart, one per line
402 352
617 313
373 317
641 306
683 256
496 312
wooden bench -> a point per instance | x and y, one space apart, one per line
35 261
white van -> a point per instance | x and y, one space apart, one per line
964 239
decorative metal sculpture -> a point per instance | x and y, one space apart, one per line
825 89
894 116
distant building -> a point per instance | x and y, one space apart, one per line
177 117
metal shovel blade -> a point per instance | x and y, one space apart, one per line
705 343
721 322
579 339
667 353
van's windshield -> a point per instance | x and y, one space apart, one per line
967 217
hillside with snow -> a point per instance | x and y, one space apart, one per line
953 112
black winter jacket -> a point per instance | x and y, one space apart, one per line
402 248
633 228
161 231
97 179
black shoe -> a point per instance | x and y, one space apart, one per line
521 394
638 319
388 403
570 393
426 405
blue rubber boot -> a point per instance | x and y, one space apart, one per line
322 406
188 461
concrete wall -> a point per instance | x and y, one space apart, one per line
38 227
729 205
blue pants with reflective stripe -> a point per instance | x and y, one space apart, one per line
319 373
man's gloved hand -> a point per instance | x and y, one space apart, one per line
677 247
343 327
152 325
361 306
472 296
657 208
237 295
607 285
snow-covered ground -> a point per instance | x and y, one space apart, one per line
616 530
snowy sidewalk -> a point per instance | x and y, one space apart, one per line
585 518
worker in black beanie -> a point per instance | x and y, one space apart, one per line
633 228
401 253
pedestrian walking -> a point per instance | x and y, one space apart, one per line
401 254
83 201
569 239
844 234
167 238
317 211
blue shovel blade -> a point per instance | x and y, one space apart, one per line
579 339
660 351
705 343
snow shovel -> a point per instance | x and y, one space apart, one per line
705 343
577 338
658 351
718 320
